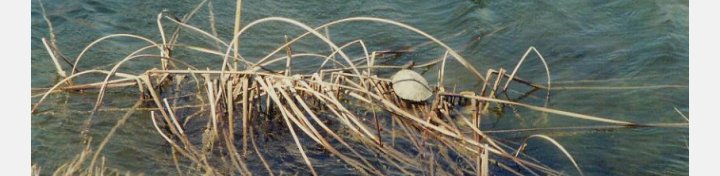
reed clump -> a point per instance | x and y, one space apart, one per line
345 109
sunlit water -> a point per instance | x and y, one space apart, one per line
626 60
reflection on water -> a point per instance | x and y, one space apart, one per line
606 59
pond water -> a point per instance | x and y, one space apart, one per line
626 60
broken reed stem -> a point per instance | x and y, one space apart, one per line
245 112
370 63
213 107
547 69
230 105
485 160
548 110
58 68
165 49
51 32
52 44
236 30
185 19
681 114
476 124
441 82
211 20
172 117
170 141
554 142
288 63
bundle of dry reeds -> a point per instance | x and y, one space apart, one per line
345 108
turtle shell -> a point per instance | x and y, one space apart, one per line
410 85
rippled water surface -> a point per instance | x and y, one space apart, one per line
625 59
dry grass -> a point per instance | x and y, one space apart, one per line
323 106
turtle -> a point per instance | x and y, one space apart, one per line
410 85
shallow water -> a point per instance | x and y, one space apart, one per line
626 60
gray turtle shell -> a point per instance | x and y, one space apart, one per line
410 85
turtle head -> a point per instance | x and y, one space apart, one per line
409 65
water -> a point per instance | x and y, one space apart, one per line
633 54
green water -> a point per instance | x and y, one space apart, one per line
626 60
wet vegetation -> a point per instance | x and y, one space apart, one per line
346 107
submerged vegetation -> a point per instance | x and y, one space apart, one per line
344 107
